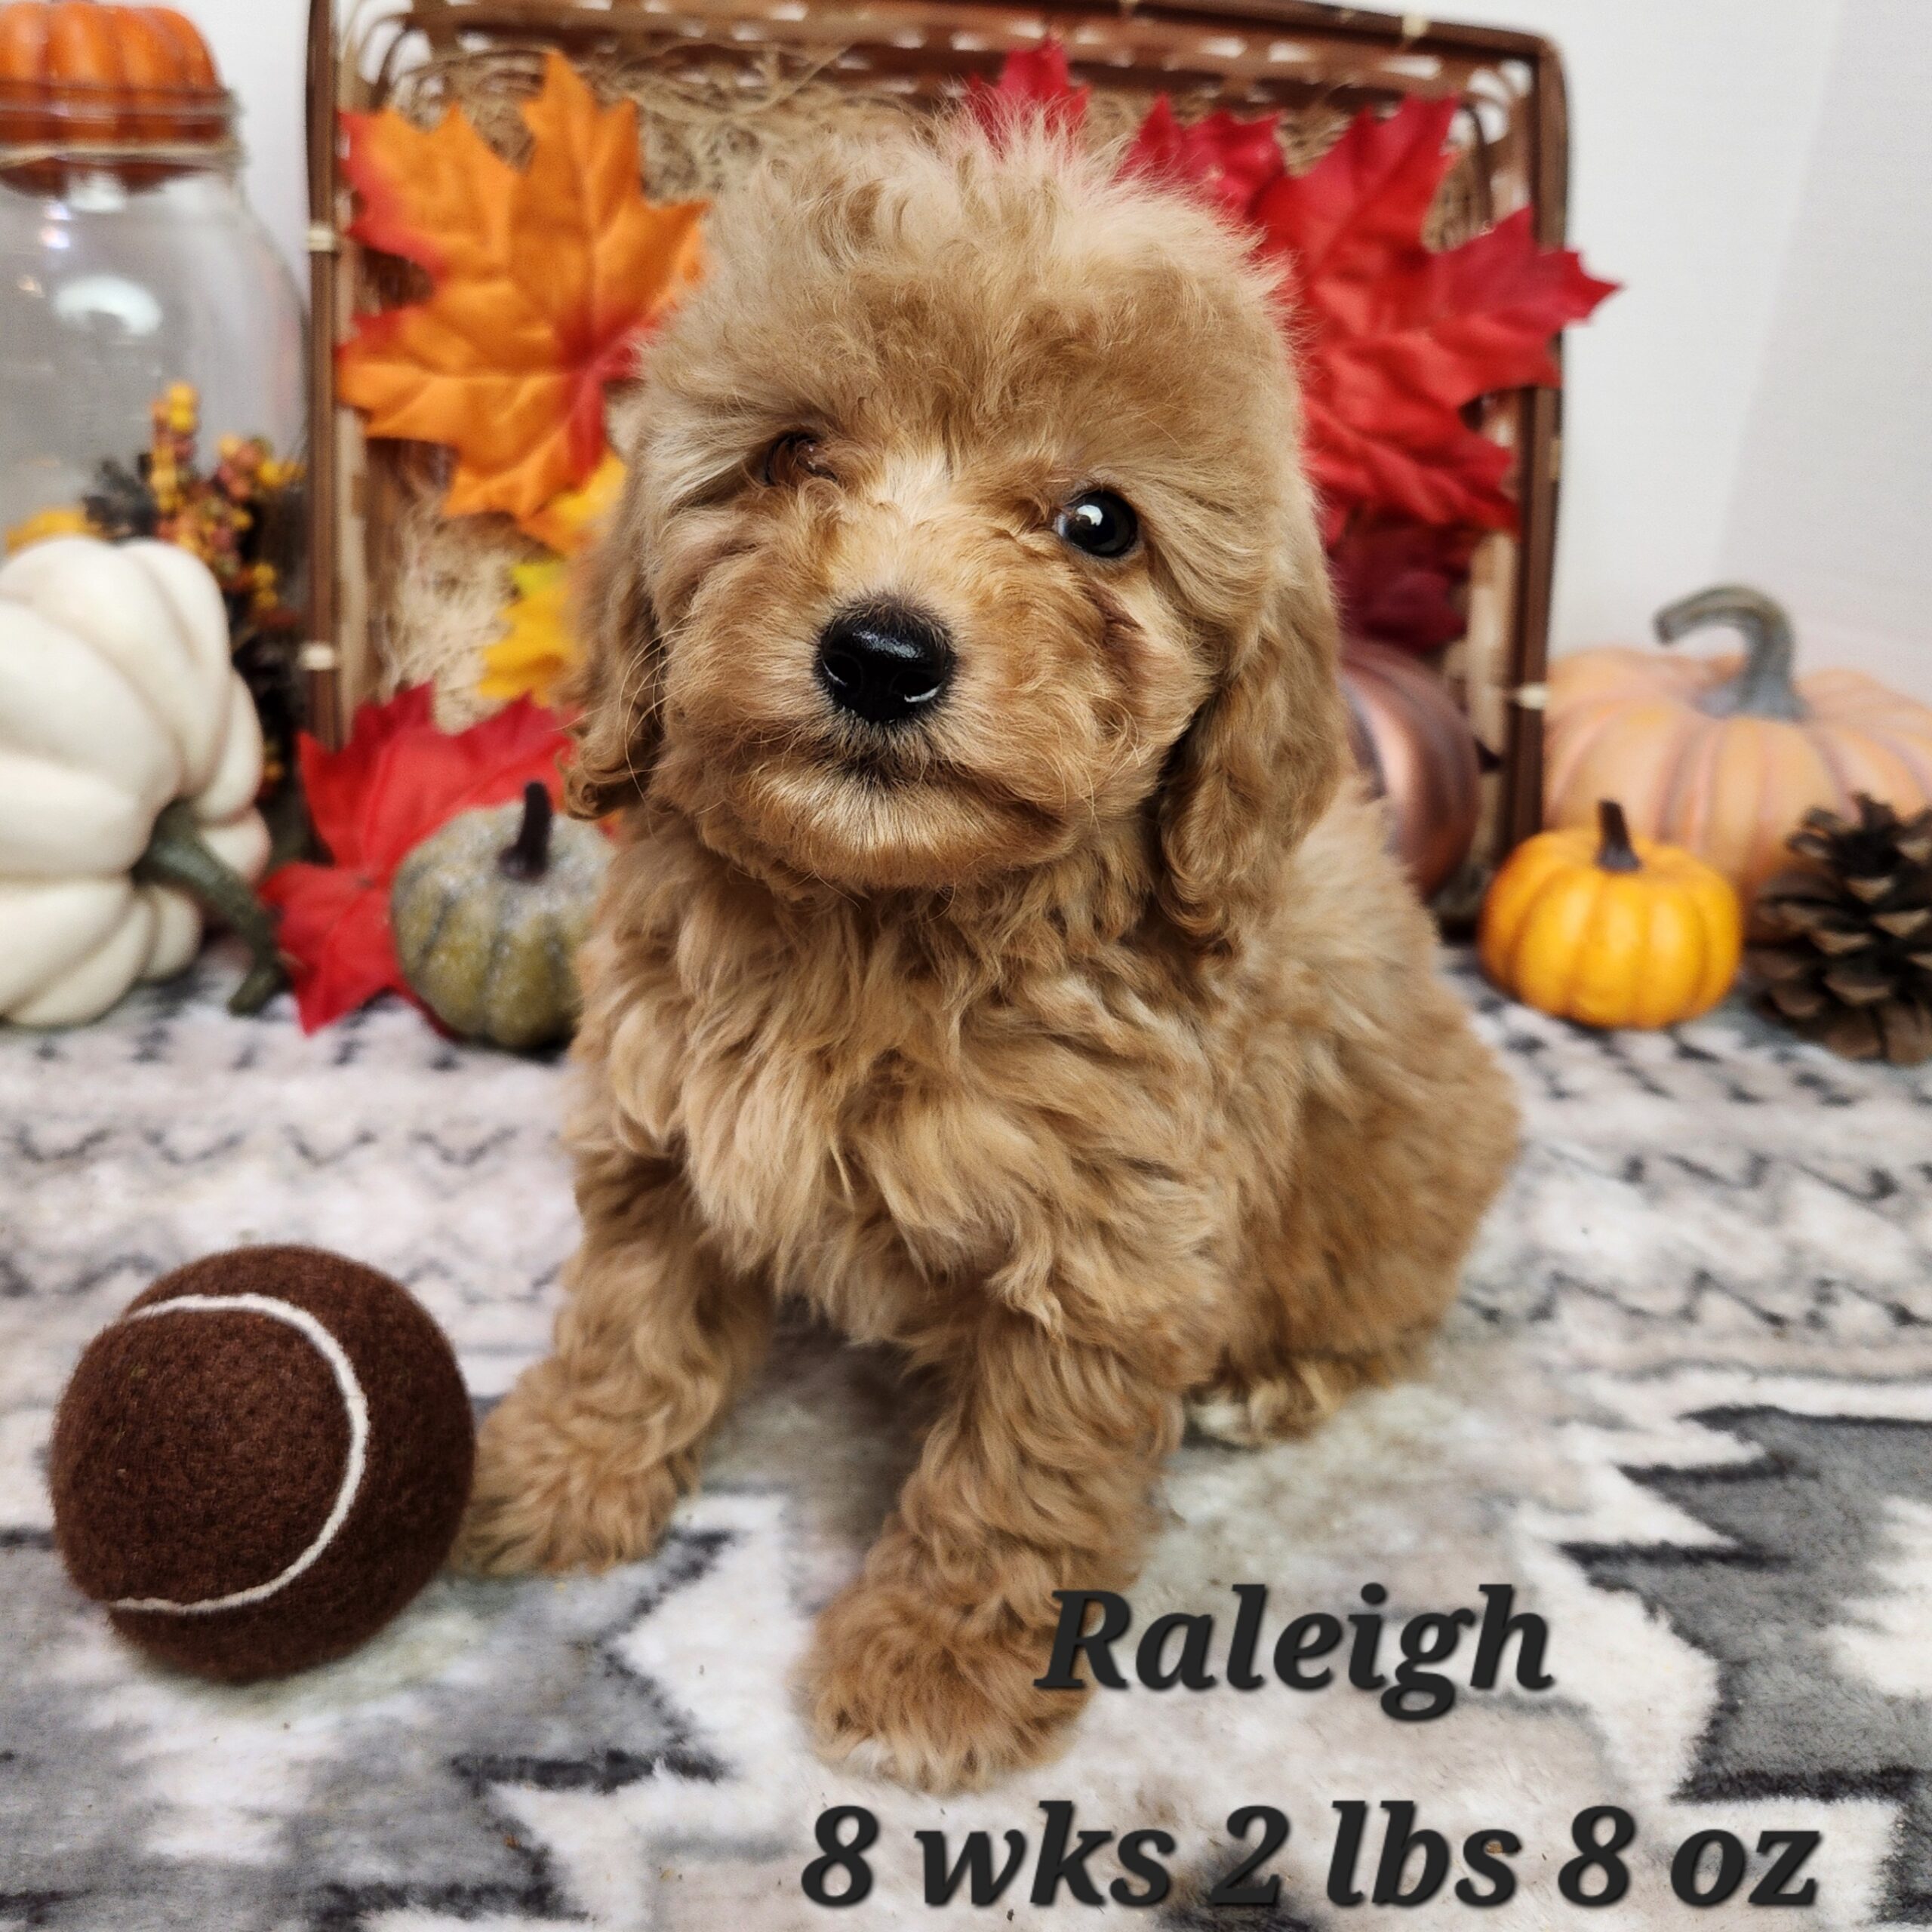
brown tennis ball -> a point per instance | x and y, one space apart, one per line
261 1462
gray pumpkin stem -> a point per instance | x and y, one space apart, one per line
1763 688
177 855
528 856
1615 853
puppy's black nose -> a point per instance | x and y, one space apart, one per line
884 664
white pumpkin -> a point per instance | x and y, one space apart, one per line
120 713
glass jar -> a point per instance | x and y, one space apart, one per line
124 273
151 377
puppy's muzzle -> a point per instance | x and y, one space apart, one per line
885 663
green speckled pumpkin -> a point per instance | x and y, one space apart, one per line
488 914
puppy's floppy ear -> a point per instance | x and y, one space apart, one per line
618 686
1260 763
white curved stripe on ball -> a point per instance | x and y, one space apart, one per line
353 1401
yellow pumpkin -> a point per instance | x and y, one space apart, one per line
1595 926
1724 756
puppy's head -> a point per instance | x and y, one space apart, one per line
965 524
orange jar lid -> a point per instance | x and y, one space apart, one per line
85 74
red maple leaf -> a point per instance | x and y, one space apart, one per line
398 780
1036 82
1398 339
1229 160
1397 582
1395 339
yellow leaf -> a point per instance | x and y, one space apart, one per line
571 522
539 647
64 520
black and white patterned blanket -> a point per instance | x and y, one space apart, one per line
1684 1408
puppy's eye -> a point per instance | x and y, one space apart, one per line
1100 523
793 458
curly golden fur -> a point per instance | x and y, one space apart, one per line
1078 1035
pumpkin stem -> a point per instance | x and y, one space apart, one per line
1763 688
177 855
528 855
1615 853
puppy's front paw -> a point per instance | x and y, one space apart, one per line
908 1690
559 1487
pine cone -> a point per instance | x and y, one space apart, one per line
1851 963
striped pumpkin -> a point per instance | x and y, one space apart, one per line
1724 756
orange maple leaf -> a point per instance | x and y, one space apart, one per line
545 281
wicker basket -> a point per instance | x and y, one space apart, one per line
1317 62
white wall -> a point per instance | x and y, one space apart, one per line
1690 121
1756 403
1831 501
261 47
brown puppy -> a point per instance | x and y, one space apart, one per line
993 957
